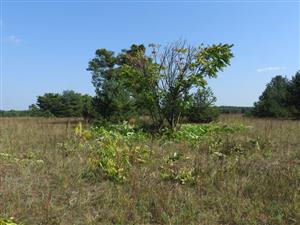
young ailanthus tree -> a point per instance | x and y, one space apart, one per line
162 82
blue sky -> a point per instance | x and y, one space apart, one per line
46 45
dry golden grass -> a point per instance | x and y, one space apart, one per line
41 179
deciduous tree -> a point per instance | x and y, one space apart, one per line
274 100
162 81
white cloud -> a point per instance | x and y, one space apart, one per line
14 39
270 68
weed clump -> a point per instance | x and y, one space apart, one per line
114 152
8 222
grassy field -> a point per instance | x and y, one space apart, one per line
247 177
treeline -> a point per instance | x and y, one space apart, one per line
16 113
203 109
280 99
72 104
235 110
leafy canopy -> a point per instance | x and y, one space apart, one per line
162 81
67 104
280 99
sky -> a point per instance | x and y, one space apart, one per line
46 45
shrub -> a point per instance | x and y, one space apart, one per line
205 115
193 133
202 109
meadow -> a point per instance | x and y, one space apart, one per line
238 170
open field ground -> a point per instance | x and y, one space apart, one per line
247 177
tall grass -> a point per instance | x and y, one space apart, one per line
256 182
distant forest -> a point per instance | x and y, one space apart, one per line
280 99
32 112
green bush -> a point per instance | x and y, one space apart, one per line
205 115
193 133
